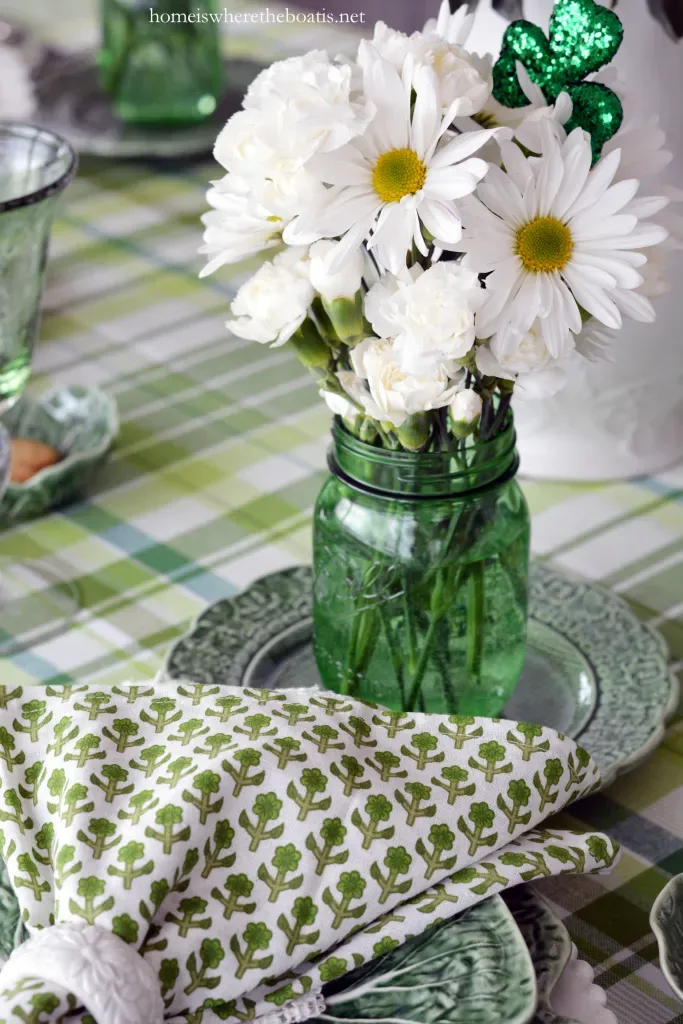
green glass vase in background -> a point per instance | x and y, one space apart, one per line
421 572
157 65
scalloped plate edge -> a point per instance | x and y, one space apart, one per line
661 935
626 764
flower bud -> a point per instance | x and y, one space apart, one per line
414 432
310 347
346 316
465 411
342 283
368 431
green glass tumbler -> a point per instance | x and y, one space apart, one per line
160 60
421 575
36 602
35 168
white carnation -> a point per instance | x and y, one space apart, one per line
394 394
339 405
288 188
242 147
314 100
530 364
271 305
430 315
392 45
464 79
237 227
345 282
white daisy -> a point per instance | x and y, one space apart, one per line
552 233
402 175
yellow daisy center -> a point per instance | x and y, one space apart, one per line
398 173
544 245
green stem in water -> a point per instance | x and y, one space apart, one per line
421 667
409 627
475 620
442 658
394 651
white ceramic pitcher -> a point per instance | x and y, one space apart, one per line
624 418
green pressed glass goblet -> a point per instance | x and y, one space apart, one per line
35 168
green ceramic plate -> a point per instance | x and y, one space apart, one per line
593 670
474 969
82 424
666 921
549 945
495 964
478 963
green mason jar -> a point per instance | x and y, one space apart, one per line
160 60
421 575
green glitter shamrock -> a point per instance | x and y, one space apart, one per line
582 38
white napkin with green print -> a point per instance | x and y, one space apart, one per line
192 853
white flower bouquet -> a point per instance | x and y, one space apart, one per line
445 231
429 263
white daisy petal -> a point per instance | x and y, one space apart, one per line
533 92
638 307
348 243
453 182
643 237
587 227
516 165
426 113
566 302
647 206
597 183
347 207
576 170
617 196
502 197
622 275
339 168
462 147
551 171
593 298
384 89
442 221
393 236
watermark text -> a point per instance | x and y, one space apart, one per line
264 17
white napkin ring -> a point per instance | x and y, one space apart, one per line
301 1009
106 975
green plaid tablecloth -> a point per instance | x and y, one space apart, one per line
214 478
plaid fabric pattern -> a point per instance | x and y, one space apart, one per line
213 481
